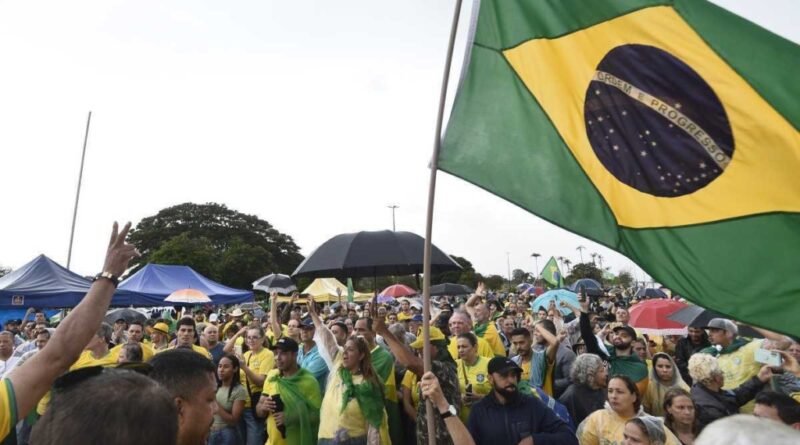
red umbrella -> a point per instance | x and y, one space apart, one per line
650 317
398 290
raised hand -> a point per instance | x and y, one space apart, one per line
312 307
119 253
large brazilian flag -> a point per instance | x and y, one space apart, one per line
666 130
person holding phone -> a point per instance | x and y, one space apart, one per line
290 399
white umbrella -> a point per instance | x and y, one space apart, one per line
190 296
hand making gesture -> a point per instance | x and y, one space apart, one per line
119 253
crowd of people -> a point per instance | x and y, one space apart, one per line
502 372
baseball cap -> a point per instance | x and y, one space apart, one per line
724 324
286 344
213 318
436 334
628 330
417 318
307 324
161 327
503 365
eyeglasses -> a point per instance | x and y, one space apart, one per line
250 337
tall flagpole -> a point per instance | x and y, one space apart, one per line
78 193
426 270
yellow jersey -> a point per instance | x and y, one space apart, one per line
260 363
8 409
409 382
476 375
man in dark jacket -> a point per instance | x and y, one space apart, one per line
505 416
692 343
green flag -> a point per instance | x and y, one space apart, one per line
663 129
350 291
551 273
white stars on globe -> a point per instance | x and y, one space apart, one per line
647 132
678 105
624 113
600 119
654 143
702 165
643 153
702 175
680 176
611 130
616 147
658 167
663 178
597 92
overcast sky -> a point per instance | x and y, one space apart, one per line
313 115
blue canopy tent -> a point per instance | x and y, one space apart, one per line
42 283
154 282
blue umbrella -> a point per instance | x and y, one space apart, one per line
588 283
556 295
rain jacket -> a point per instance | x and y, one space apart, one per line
605 427
653 400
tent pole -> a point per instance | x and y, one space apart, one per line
426 268
78 193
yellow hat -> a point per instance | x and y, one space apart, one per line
436 334
161 327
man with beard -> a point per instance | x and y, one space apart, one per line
508 417
621 356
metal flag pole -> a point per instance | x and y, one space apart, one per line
426 268
78 193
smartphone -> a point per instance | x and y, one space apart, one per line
468 389
582 292
766 357
279 409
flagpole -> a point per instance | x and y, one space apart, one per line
426 268
78 193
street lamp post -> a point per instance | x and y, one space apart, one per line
393 207
508 264
536 267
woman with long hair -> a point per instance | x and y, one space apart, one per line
680 415
664 376
473 372
608 425
352 411
230 403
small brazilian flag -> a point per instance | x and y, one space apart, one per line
666 130
551 274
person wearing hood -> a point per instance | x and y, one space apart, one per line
645 430
664 376
607 426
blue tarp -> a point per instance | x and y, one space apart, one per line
154 282
42 283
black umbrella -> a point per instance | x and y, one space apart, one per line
275 282
650 292
698 317
370 254
128 315
450 289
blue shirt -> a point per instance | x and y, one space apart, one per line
313 363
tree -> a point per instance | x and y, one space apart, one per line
494 282
624 279
465 276
223 244
519 276
585 270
